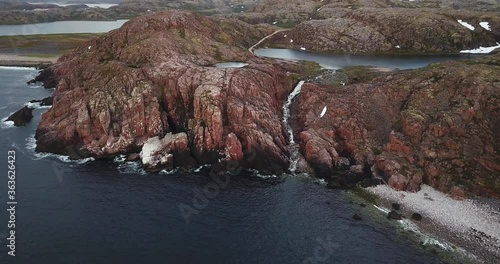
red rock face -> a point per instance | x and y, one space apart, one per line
156 76
438 125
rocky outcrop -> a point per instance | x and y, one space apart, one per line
151 86
155 76
170 152
394 30
21 117
45 101
439 125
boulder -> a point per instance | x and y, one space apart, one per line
45 101
21 117
394 215
357 217
158 154
416 217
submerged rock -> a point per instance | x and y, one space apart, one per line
21 117
357 217
394 215
48 101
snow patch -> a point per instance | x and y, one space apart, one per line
485 25
482 50
465 24
323 112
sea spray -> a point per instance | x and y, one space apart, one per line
294 149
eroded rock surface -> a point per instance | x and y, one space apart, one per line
394 30
21 117
155 76
439 125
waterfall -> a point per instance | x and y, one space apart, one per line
294 149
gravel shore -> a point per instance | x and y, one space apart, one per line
473 225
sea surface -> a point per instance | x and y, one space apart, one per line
112 212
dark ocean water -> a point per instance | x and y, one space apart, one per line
104 212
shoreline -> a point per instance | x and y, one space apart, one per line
8 60
471 225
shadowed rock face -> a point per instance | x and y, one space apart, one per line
155 76
439 125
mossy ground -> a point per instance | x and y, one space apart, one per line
42 46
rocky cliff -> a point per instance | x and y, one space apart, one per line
439 125
151 87
156 76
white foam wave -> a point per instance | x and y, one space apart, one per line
31 146
6 124
37 106
197 170
169 172
425 239
461 216
131 168
17 68
120 159
256 173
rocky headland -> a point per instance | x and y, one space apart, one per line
152 88
155 77
438 125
